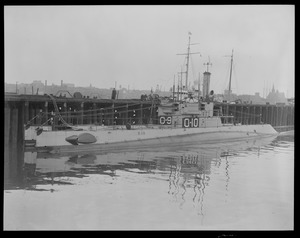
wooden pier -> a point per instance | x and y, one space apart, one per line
23 109
13 138
85 110
281 117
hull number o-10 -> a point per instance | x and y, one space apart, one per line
190 122
165 120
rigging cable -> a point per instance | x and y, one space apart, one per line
59 116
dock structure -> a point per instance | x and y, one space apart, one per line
281 117
13 138
36 110
83 111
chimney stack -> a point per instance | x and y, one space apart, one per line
206 83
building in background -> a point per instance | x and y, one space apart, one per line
275 97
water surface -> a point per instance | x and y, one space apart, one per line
241 185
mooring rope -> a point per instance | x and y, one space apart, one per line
59 116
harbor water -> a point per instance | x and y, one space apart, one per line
239 185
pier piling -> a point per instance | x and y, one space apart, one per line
13 140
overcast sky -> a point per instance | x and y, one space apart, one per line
137 45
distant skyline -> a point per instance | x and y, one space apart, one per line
11 87
137 45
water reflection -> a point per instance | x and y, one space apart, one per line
82 159
187 166
186 169
204 184
186 172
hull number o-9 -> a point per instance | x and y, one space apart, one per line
190 122
163 120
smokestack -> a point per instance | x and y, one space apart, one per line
206 83
62 82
